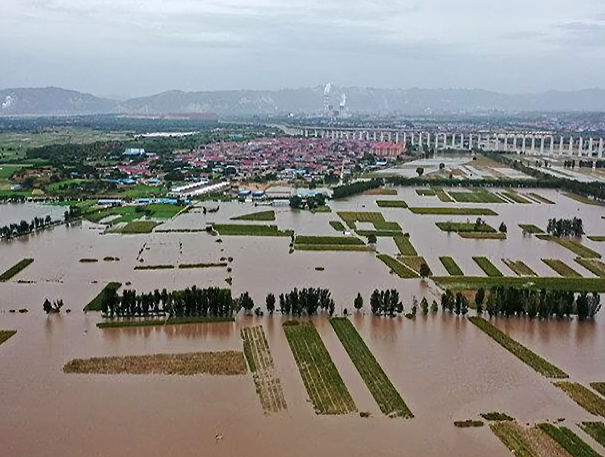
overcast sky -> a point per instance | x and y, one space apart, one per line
139 47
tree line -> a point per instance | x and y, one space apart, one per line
513 301
565 227
10 231
307 301
356 188
191 302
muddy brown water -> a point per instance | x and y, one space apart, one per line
445 368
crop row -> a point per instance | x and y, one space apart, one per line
524 354
381 388
322 381
260 361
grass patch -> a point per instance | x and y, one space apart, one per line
190 266
377 219
599 239
377 382
96 304
584 397
6 334
477 196
154 267
569 441
405 246
566 284
468 423
337 225
250 230
562 268
157 322
414 263
322 381
329 240
15 269
260 361
442 195
89 260
496 417
379 233
572 245
524 354
111 259
593 265
531 228
228 363
541 198
391 204
454 211
488 267
330 243
333 247
397 267
599 387
137 227
322 209
514 196
465 227
511 435
259 216
451 266
426 192
381 191
582 199
596 430
482 236
519 267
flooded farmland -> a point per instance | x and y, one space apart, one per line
444 367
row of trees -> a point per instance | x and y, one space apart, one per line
191 302
513 301
565 227
22 228
307 301
386 303
311 202
356 188
54 307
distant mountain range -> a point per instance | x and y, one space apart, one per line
56 101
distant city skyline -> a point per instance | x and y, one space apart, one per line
112 48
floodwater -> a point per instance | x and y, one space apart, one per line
445 368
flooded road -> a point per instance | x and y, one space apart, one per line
445 368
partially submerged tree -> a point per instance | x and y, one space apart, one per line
358 302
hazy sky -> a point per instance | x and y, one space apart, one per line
138 47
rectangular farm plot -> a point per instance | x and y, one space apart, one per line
386 395
478 196
260 361
322 381
488 267
391 204
519 267
573 245
593 265
405 246
376 219
397 267
451 266
562 268
330 243
454 211
465 227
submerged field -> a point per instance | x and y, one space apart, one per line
439 366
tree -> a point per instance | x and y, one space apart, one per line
47 307
270 303
479 298
434 306
424 305
420 171
441 166
425 271
358 302
296 202
502 228
246 302
372 238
